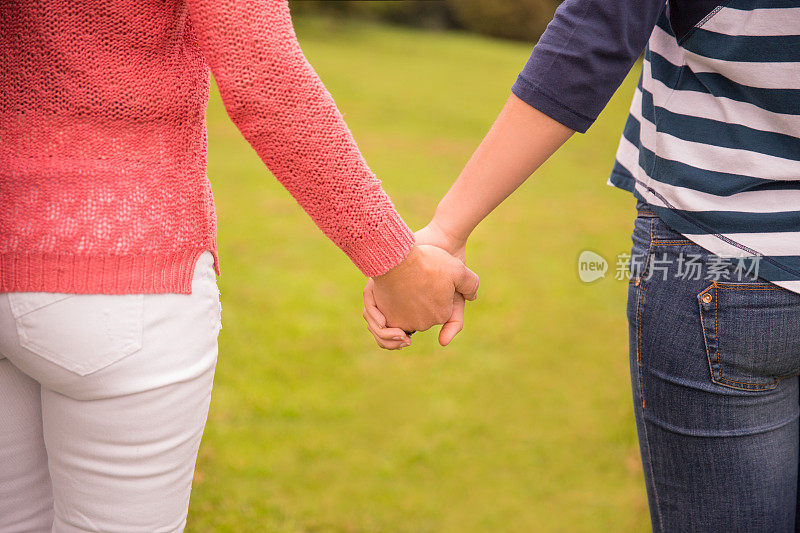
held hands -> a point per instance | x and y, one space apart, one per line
429 287
521 139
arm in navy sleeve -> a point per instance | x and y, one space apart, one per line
583 57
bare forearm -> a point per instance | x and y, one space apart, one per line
521 139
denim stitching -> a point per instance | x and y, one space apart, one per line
640 298
756 387
716 329
716 375
657 241
749 385
639 337
775 288
703 329
647 265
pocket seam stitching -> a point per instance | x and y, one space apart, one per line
72 366
717 375
15 309
754 288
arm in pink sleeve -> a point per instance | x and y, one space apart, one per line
279 104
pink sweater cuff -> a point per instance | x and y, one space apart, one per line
380 250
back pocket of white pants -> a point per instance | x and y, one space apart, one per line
82 333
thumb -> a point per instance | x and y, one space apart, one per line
467 282
455 323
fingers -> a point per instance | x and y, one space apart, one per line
455 324
374 322
467 283
370 307
386 338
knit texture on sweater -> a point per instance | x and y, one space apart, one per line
103 185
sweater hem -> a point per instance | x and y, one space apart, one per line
101 274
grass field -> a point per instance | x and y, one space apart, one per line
523 424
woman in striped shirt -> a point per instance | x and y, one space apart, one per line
711 152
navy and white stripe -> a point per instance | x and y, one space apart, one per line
712 141
713 137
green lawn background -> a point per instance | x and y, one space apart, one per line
523 424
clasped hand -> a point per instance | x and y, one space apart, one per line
427 288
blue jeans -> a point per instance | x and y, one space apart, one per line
714 364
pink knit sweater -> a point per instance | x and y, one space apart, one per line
103 185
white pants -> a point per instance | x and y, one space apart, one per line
103 400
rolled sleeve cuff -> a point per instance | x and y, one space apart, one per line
382 249
535 97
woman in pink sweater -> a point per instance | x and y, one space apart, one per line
109 309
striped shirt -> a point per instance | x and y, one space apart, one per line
712 141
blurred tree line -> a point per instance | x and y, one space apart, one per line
512 19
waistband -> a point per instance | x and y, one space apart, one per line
644 209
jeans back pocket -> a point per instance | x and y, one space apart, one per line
82 333
751 333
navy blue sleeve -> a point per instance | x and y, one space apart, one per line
583 57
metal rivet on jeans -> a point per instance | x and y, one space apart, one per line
706 297
637 281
